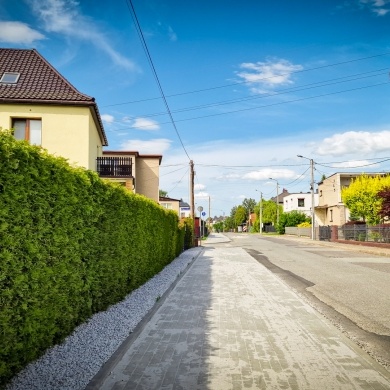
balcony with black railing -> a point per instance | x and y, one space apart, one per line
114 167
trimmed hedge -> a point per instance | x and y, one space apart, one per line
71 244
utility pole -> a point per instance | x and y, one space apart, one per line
192 199
209 214
277 200
313 231
261 214
312 200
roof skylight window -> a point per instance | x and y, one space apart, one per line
9 78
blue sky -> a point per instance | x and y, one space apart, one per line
250 85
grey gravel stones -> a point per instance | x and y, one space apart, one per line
72 364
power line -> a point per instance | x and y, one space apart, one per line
357 166
177 183
250 82
263 106
146 50
318 84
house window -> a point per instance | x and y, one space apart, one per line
167 205
331 215
301 202
28 129
9 78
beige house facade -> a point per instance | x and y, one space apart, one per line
331 209
137 172
68 132
170 204
43 108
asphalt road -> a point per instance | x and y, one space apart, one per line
346 284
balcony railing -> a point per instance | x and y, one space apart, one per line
114 166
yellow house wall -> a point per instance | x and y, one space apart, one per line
175 205
147 171
329 191
67 131
95 144
330 195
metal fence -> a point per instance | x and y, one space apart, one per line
114 166
365 233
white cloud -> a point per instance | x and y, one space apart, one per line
199 187
354 164
172 35
273 72
18 33
126 119
355 142
107 118
154 146
201 195
145 124
229 176
379 7
266 173
64 17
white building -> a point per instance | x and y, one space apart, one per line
299 202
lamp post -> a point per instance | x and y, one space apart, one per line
261 213
277 200
312 194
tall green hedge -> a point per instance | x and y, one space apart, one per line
71 244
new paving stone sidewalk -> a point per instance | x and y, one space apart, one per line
229 323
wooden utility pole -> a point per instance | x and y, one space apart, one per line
209 214
192 200
192 196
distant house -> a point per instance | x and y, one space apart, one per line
185 209
331 209
299 202
170 203
280 197
45 109
137 172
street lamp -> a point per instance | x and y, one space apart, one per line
312 194
261 213
277 200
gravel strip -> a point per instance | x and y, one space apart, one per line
77 360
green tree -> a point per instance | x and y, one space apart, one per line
249 205
229 224
218 227
362 199
240 215
292 218
233 211
269 211
162 193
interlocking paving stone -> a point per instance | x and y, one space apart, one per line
231 324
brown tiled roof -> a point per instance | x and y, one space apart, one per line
40 83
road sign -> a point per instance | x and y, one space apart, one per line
200 208
204 213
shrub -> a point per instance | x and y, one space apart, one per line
293 218
71 245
